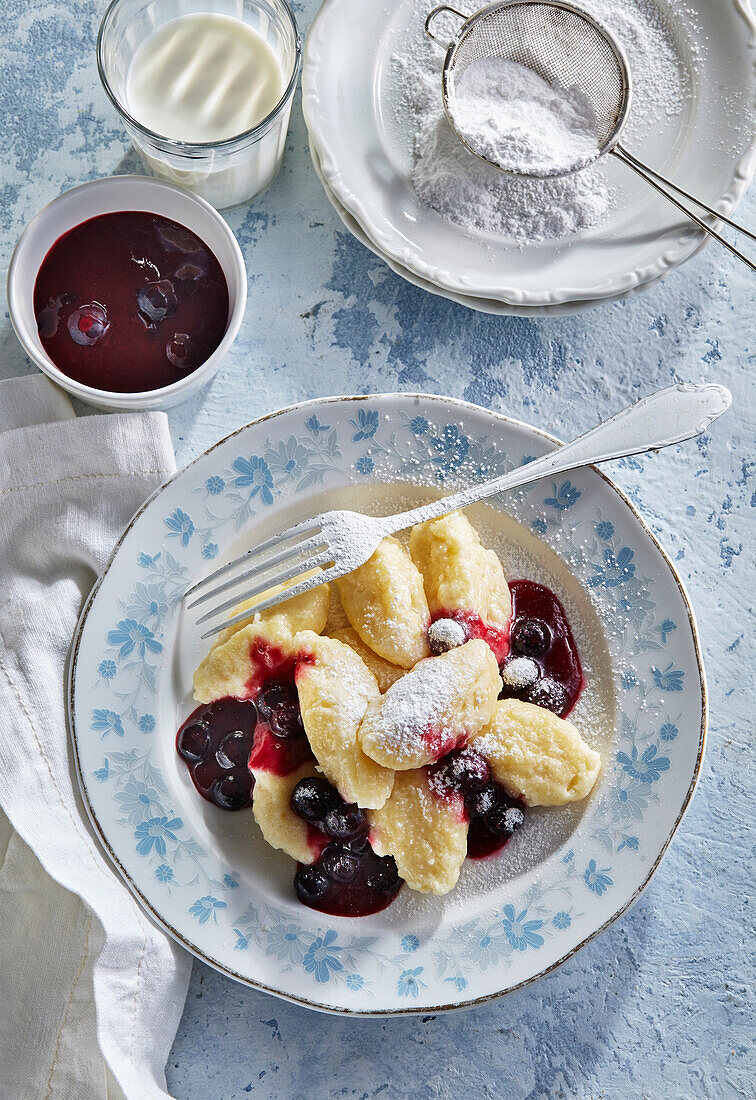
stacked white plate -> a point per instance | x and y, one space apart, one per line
361 145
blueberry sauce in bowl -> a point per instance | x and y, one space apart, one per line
130 302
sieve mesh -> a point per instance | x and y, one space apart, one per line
562 45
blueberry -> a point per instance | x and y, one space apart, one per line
503 818
340 864
445 634
313 798
519 673
531 637
177 239
190 271
278 707
157 301
182 352
233 750
548 693
232 791
311 884
483 801
384 875
49 316
193 741
467 770
345 822
88 324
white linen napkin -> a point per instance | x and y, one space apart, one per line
91 991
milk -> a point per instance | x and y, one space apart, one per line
206 79
203 77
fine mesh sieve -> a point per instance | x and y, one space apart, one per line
568 49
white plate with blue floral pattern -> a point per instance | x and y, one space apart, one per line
206 876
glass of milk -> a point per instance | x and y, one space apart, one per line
204 89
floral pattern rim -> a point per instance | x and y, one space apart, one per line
448 968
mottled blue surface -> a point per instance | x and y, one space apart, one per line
662 1004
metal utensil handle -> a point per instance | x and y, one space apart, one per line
663 418
664 187
432 15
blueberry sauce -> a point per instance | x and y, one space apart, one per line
475 627
347 879
221 741
130 301
215 743
540 631
463 779
280 745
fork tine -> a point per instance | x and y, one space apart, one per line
268 563
307 527
287 594
263 586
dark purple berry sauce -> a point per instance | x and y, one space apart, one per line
541 632
130 301
492 815
215 742
347 879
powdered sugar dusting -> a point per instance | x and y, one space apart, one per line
512 117
415 706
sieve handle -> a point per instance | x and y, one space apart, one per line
432 16
665 187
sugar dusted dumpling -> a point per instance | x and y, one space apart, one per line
434 707
335 687
426 834
308 611
237 667
458 573
537 756
385 602
385 673
273 813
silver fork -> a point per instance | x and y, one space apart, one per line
335 543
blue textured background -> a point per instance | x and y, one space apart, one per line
662 1004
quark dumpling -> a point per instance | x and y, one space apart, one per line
458 573
238 666
385 673
385 602
278 823
537 756
434 707
308 611
335 688
426 835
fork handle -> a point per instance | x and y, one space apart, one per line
663 418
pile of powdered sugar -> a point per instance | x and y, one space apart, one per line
510 115
475 195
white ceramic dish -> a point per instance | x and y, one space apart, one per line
481 305
208 877
356 126
106 196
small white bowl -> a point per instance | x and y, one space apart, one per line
107 196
